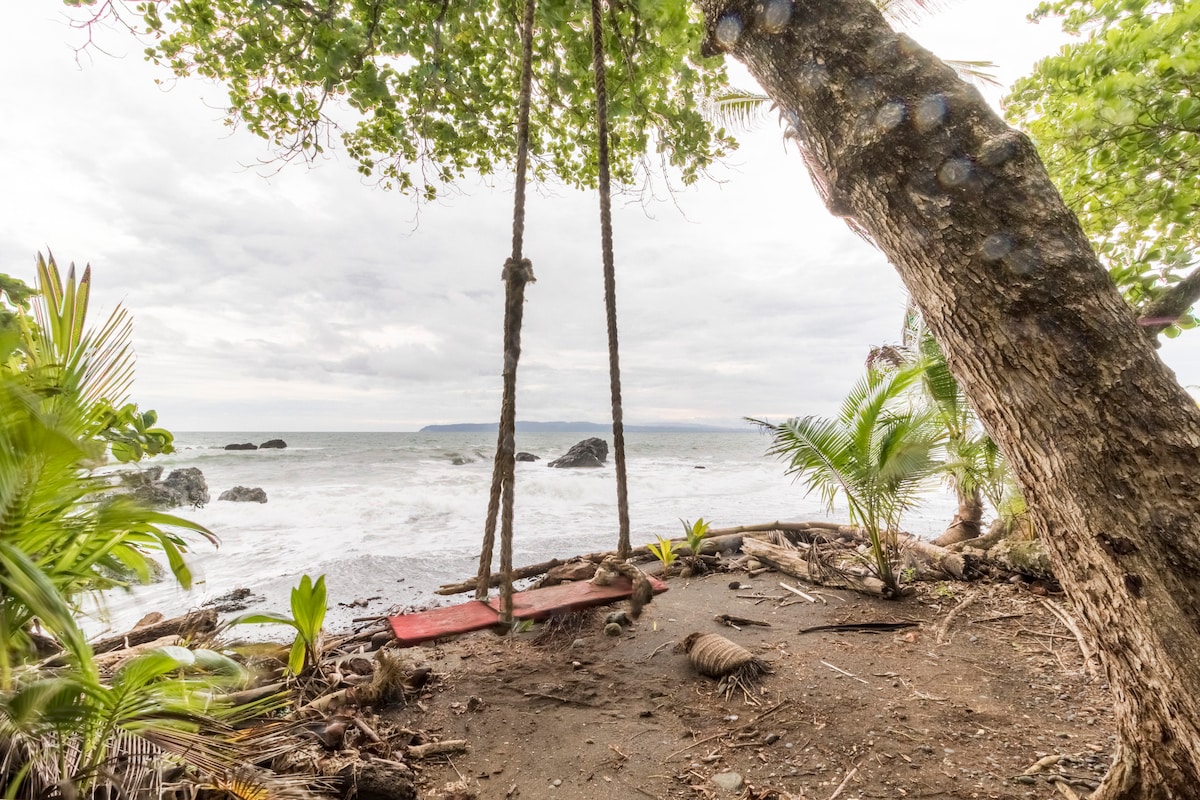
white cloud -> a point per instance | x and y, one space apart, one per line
306 299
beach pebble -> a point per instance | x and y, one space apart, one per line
729 781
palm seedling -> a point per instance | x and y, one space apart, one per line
877 455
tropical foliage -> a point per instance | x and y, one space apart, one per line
877 455
63 403
423 93
664 551
970 462
308 619
1116 118
60 536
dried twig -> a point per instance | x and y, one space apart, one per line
842 785
945 626
847 674
1066 619
743 726
796 591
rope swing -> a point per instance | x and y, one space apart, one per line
518 271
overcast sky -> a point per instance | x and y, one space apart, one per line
305 299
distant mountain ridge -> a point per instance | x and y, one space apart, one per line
525 426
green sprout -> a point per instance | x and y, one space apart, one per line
308 618
695 533
664 551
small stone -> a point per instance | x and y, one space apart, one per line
619 617
735 584
578 643
556 782
771 738
612 629
753 564
729 781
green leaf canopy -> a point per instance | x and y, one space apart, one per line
421 93
1116 118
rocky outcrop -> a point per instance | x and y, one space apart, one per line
273 444
182 487
523 456
242 446
588 453
189 484
244 494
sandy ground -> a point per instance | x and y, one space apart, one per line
986 696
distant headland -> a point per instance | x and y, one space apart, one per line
524 426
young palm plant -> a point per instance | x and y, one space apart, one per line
973 466
877 455
58 384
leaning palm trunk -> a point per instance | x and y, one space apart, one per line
968 520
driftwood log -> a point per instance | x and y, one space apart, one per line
796 563
962 561
202 621
190 624
715 542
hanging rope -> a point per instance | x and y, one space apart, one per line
517 272
610 280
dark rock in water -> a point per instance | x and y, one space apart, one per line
273 444
458 460
236 600
190 485
141 477
244 494
588 453
242 446
523 456
146 486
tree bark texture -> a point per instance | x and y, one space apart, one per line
1103 440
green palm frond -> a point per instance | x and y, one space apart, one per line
816 453
740 110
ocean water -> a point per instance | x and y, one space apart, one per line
389 517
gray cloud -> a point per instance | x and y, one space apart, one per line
303 298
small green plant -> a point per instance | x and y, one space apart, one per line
943 591
664 551
308 618
695 533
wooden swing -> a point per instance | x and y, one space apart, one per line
535 604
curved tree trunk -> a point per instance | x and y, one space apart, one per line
1103 440
967 522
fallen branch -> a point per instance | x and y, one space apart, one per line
797 565
448 747
1066 620
794 590
718 540
945 626
844 672
842 785
188 624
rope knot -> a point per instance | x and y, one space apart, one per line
519 271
